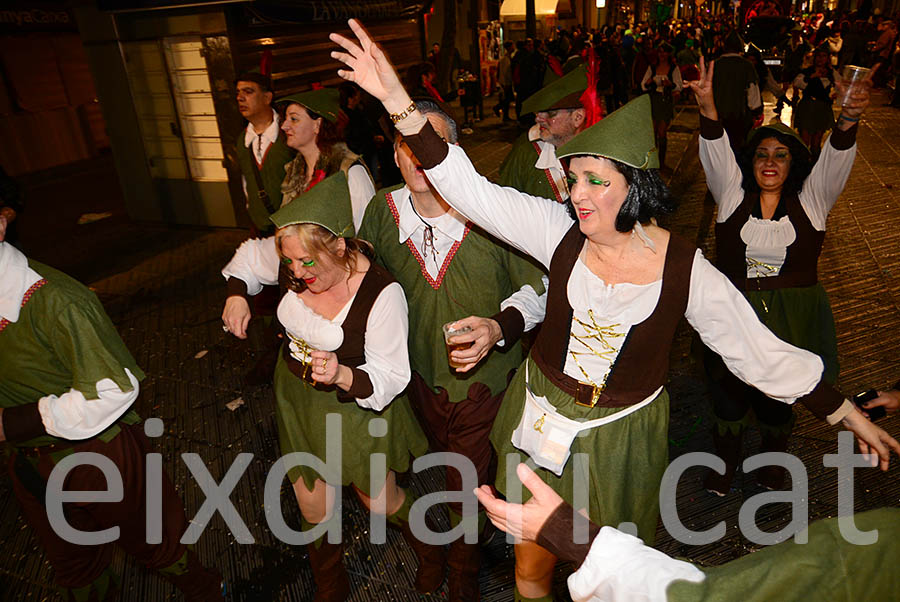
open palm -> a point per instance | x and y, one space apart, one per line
369 66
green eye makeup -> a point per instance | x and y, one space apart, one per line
286 261
309 264
599 182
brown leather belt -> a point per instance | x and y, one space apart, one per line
585 394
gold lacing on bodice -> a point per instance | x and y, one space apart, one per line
597 342
304 351
761 270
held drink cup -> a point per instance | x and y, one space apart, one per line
853 79
449 332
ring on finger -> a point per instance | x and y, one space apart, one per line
324 363
225 328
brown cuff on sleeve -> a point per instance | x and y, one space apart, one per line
556 535
236 286
823 400
427 146
512 325
843 139
21 423
711 130
359 389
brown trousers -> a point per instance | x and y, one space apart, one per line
462 427
78 566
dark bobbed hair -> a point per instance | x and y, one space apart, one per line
801 162
647 197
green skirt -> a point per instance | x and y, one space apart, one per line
301 412
624 462
813 116
802 317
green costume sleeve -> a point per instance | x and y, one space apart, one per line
826 568
86 341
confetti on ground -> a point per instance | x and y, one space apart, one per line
200 354
235 403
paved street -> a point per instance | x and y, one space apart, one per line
162 288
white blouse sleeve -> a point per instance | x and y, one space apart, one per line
723 176
676 79
620 568
728 325
386 351
361 192
255 262
648 75
825 183
72 416
533 225
531 305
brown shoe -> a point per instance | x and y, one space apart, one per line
327 561
772 477
463 561
430 574
728 447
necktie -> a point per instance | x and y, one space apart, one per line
259 153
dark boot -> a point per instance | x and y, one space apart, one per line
728 447
430 573
196 582
327 562
463 563
772 477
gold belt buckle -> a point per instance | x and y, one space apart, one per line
595 395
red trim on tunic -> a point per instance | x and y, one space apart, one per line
259 165
435 283
549 175
25 298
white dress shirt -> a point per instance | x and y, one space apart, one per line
547 161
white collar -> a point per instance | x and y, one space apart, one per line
547 159
450 224
270 135
15 280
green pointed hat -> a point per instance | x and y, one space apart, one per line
625 135
759 134
563 93
324 102
326 204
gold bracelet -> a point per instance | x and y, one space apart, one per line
395 117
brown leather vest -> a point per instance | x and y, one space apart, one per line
351 353
800 264
642 365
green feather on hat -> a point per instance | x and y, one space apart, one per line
563 93
324 102
326 204
625 135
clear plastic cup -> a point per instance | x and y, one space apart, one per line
853 80
449 331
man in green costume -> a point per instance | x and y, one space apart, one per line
67 383
531 166
450 270
262 151
612 565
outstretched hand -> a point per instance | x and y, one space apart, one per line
703 90
873 440
522 521
369 67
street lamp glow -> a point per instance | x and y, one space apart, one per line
601 3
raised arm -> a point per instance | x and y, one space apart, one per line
530 224
723 176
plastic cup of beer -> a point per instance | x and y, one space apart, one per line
853 80
449 332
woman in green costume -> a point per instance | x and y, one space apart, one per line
619 284
772 208
345 354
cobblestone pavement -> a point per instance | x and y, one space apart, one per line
161 287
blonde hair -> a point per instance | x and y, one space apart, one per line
319 241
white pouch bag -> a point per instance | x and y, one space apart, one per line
546 435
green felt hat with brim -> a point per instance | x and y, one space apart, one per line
562 93
767 131
326 204
625 135
324 102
